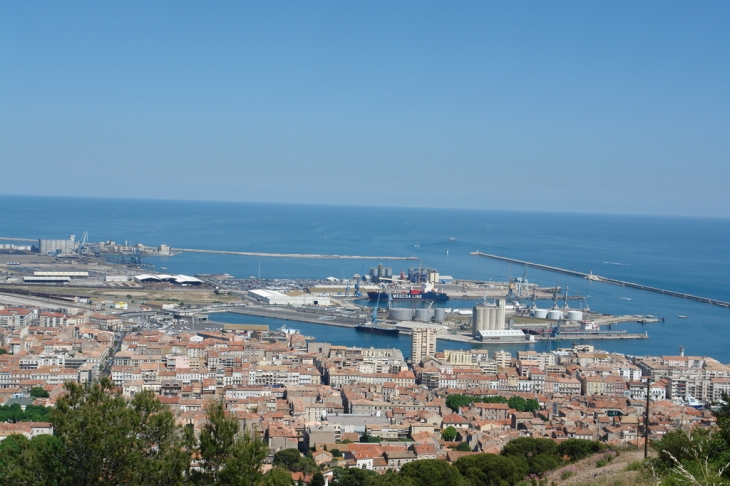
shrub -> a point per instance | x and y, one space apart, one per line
601 463
635 466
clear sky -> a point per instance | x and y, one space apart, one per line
570 106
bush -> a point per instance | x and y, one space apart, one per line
463 447
635 466
567 473
601 463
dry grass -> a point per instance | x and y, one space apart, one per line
614 473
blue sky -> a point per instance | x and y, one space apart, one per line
569 106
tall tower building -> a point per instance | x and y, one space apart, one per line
423 344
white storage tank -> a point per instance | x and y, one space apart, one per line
423 314
540 313
575 315
401 314
439 315
554 315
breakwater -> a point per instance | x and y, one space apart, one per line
18 239
294 255
613 281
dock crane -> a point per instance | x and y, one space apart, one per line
565 298
522 283
357 282
374 316
83 244
347 283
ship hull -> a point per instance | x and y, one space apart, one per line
378 330
436 296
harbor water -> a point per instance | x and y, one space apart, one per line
677 253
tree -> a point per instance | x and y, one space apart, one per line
578 449
527 447
107 440
433 472
227 456
392 479
518 403
38 392
490 469
353 476
456 401
3 351
317 479
289 459
336 453
28 462
277 476
449 433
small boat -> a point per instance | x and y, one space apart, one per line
452 239
625 298
682 317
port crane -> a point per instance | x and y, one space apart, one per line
83 244
357 282
522 283
374 316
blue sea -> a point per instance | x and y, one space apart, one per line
688 255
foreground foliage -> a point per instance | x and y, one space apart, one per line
101 438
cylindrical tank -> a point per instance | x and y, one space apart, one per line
439 315
388 272
421 315
401 314
555 314
540 313
483 320
492 318
501 304
575 315
381 271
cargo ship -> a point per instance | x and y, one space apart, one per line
377 328
414 293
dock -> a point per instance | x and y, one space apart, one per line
597 278
293 255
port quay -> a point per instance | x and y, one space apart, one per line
597 278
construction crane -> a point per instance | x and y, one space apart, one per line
565 298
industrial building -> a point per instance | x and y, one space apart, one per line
298 299
381 273
423 344
57 247
503 335
488 318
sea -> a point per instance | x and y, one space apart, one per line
683 254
